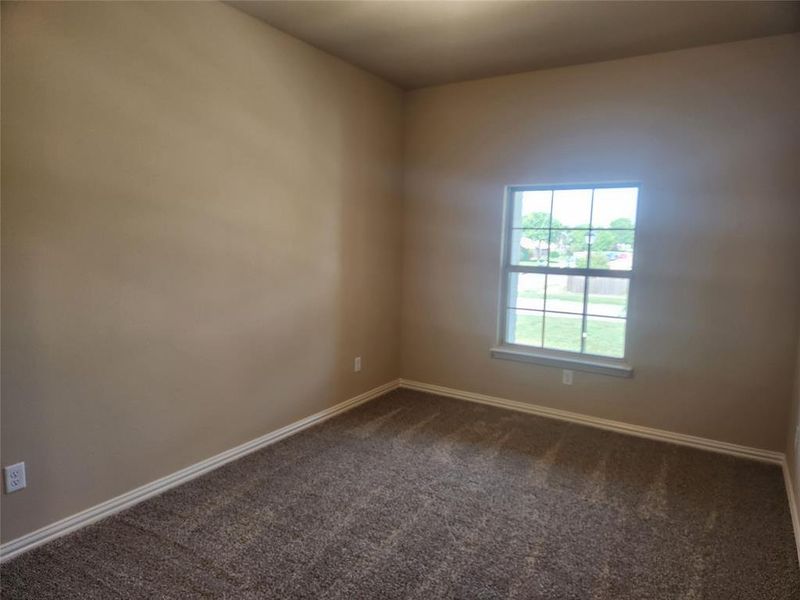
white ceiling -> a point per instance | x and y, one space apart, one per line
424 42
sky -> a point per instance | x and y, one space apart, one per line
573 207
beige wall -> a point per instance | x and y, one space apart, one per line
792 442
713 134
200 232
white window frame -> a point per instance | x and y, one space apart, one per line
580 361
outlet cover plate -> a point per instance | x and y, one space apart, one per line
14 476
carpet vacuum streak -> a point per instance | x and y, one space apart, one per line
422 497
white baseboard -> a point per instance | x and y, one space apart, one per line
794 509
109 507
618 426
124 501
626 428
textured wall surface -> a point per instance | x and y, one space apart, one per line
793 437
200 232
713 135
203 225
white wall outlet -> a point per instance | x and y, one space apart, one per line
566 377
15 477
357 364
797 438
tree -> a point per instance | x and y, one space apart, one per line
623 237
610 240
572 243
605 240
536 227
599 260
537 220
539 223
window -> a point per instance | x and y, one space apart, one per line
567 269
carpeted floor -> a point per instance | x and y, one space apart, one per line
416 496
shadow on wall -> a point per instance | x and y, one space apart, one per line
191 201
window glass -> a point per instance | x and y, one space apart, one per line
524 327
608 296
614 208
605 336
569 248
572 209
529 247
611 249
526 290
565 293
532 209
569 268
562 332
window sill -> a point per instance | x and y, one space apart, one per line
602 366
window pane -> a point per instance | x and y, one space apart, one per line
569 249
532 209
524 327
529 247
526 290
572 208
565 293
608 296
563 229
614 207
605 336
612 250
562 332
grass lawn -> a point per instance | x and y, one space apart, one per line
605 337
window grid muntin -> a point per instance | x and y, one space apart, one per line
586 279
547 270
546 275
564 312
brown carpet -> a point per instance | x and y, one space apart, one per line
416 496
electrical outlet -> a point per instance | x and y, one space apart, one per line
566 377
15 477
357 364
